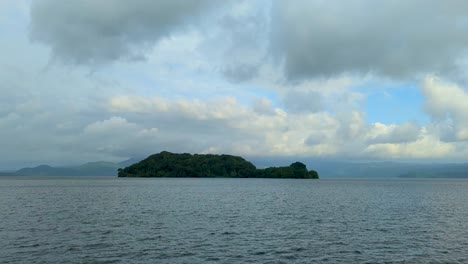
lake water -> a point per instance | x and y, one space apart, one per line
112 220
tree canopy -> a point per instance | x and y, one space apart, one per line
166 164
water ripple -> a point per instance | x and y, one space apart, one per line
97 220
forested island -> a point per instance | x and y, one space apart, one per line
166 164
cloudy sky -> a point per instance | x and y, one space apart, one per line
113 79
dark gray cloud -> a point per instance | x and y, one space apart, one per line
240 72
89 31
244 33
397 39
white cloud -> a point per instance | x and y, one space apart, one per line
222 81
225 125
426 147
447 104
113 125
149 132
404 133
263 106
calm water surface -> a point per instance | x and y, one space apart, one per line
111 220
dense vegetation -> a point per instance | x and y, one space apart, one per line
166 164
295 170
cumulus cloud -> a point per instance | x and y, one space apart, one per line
348 135
404 133
317 138
263 106
112 125
91 31
259 129
397 39
251 130
132 126
447 105
426 147
116 136
213 82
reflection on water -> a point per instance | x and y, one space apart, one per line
111 220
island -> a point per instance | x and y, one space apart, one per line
167 164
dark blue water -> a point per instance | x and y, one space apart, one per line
111 220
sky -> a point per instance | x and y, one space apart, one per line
353 80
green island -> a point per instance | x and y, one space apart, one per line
167 164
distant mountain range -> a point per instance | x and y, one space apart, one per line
325 168
100 168
440 171
393 170
342 169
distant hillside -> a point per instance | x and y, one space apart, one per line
129 162
88 169
100 168
342 169
43 170
327 169
367 170
7 174
456 171
166 164
393 170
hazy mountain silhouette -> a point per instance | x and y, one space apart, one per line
385 169
326 168
99 168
